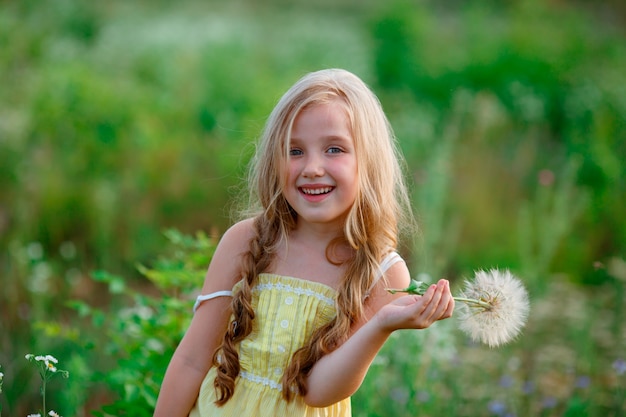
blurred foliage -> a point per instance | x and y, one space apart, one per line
519 95
139 337
119 120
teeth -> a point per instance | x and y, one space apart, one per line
316 191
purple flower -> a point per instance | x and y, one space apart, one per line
497 407
548 402
583 382
619 366
423 396
506 381
399 394
528 388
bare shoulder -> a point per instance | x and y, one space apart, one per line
239 234
224 269
397 276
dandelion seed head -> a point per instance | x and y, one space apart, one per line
508 307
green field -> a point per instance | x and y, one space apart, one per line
126 127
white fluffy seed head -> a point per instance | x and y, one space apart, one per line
508 311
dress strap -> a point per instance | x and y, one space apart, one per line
206 297
391 259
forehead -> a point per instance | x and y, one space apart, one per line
325 119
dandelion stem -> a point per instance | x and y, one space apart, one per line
480 303
419 291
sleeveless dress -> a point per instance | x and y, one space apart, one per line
288 311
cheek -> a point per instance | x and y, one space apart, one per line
356 184
351 173
291 171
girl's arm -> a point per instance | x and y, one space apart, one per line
339 374
192 359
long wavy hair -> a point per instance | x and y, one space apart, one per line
372 227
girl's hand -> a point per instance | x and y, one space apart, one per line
418 312
339 374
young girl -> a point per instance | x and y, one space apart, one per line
294 307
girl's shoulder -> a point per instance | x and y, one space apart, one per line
225 267
239 234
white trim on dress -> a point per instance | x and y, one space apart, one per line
216 294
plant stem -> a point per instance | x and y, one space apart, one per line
43 393
480 303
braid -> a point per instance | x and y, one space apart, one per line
330 336
256 260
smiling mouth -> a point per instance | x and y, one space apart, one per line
316 191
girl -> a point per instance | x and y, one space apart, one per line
294 307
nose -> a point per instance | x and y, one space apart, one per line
313 167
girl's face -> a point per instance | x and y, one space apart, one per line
322 179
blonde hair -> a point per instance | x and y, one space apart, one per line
372 227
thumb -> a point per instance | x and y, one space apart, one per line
406 300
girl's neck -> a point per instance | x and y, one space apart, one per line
305 254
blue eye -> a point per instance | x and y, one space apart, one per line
334 149
295 152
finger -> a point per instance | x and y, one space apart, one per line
406 300
430 309
444 309
446 304
450 309
422 302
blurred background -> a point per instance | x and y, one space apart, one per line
126 127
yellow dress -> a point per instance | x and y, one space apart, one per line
288 310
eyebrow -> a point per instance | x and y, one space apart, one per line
329 138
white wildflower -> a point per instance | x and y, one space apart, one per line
47 363
51 358
34 415
53 413
48 360
499 310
